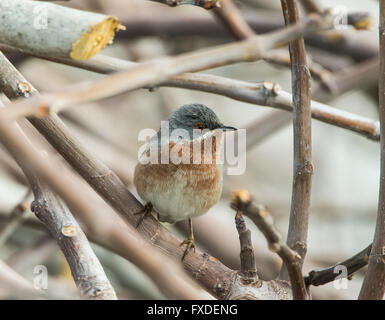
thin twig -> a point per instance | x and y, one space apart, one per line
373 286
353 264
303 168
263 220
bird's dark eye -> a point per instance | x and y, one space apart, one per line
199 125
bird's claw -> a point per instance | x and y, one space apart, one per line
144 213
189 245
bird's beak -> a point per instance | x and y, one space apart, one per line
226 128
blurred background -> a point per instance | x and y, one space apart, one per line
346 165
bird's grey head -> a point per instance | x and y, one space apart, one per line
195 116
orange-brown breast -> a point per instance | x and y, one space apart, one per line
179 191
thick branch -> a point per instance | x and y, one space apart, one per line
56 30
160 69
373 286
261 217
86 269
303 169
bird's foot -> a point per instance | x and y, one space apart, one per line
144 213
189 245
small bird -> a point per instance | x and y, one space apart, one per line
179 191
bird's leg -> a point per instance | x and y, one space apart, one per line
144 212
190 241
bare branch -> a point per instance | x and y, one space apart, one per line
211 273
353 264
263 220
86 269
229 14
73 33
303 169
128 244
207 4
248 268
264 94
160 69
373 286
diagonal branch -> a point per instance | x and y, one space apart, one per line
160 69
86 269
125 243
229 14
218 279
353 264
264 94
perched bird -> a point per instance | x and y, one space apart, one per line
179 191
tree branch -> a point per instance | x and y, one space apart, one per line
106 182
86 269
229 14
353 264
160 69
72 33
206 4
373 286
248 268
303 168
264 94
262 219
